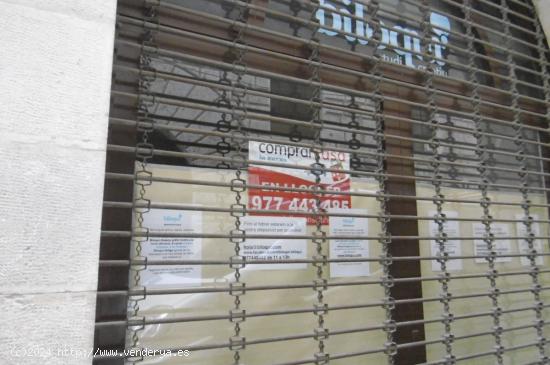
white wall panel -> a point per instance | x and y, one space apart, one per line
54 100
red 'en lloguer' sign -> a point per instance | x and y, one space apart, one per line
299 177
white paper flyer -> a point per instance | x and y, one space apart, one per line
349 248
500 246
522 243
452 247
274 249
172 248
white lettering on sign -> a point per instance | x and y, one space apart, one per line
285 174
397 36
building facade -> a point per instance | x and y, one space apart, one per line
275 182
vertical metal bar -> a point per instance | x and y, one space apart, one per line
398 227
543 64
524 177
144 153
485 204
320 241
385 240
437 156
238 105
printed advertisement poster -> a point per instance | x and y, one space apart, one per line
500 246
172 248
452 247
348 248
270 249
288 177
523 245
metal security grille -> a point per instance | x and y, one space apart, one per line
326 182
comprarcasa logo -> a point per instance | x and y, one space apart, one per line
292 152
408 39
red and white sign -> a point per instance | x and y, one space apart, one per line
301 178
